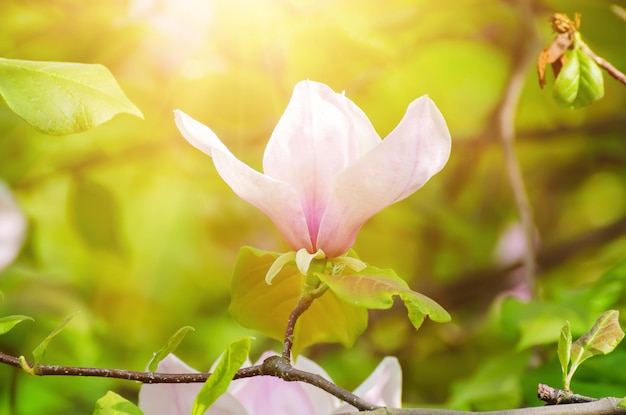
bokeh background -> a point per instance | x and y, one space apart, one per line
132 227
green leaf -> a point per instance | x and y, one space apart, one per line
230 362
622 403
266 308
603 337
564 349
40 350
95 214
172 343
375 288
580 81
114 404
7 323
61 97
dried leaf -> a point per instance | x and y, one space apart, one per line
553 54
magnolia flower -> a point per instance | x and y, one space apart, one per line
12 227
326 170
267 395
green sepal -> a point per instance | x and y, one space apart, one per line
7 323
215 386
62 97
170 345
114 404
375 288
266 308
580 81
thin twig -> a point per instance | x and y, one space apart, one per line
505 119
304 303
276 366
604 64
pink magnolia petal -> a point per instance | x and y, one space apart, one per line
177 399
383 387
169 398
275 198
320 134
403 162
12 227
267 395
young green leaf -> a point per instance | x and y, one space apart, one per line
580 81
603 337
622 403
375 288
563 350
230 362
61 97
258 306
40 350
172 343
7 323
114 404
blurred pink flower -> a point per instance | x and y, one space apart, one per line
267 395
326 169
12 227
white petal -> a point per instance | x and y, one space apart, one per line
12 227
169 398
403 162
319 135
275 198
383 387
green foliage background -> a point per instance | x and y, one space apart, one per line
134 228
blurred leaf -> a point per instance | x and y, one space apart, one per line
40 350
266 308
172 343
114 404
7 323
580 81
60 97
539 329
495 385
375 288
622 403
95 214
232 359
603 337
564 349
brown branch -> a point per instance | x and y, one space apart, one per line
605 406
470 288
504 116
304 303
276 366
554 396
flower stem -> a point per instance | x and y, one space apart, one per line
306 299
